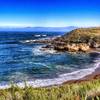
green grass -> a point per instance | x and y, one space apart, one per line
82 91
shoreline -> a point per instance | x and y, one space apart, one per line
93 76
88 78
79 76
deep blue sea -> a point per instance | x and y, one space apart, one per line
21 61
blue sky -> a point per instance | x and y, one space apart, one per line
49 13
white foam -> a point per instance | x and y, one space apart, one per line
59 80
38 50
37 35
5 86
49 51
44 35
27 41
63 77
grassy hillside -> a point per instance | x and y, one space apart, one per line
83 35
78 91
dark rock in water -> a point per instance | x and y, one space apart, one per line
48 46
94 54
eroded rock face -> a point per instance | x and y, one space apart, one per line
73 47
83 47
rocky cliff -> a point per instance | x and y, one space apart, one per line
81 39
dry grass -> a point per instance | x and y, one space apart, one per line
82 35
80 91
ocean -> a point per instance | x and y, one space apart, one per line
21 61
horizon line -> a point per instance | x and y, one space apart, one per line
46 26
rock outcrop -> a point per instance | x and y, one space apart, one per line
73 47
82 39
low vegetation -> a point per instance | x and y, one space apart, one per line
78 91
83 35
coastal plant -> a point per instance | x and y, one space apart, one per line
78 91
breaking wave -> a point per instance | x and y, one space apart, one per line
60 79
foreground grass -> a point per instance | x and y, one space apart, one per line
81 91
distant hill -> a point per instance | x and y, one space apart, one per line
34 29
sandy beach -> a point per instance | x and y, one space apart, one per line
90 77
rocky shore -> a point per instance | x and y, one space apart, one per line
82 39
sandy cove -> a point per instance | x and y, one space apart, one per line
90 77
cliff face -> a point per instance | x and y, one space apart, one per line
81 39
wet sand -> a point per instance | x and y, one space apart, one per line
90 77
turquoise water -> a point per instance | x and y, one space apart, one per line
22 61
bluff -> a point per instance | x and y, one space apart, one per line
82 39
